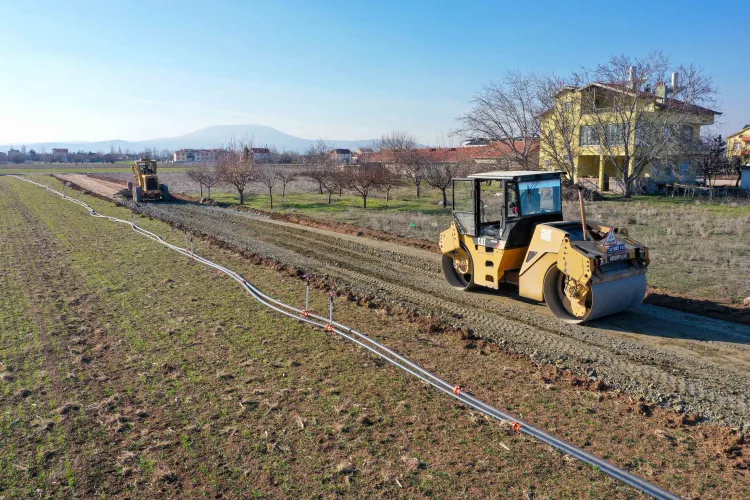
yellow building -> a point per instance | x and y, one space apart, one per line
738 144
592 127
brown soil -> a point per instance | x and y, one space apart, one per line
664 355
203 400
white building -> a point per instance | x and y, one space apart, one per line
196 155
343 156
261 155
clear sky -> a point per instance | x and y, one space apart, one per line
137 70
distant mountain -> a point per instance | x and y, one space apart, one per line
209 137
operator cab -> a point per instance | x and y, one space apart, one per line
146 167
501 209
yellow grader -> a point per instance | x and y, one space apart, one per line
146 185
508 227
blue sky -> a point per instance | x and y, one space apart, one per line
93 70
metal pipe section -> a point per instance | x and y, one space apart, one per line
391 356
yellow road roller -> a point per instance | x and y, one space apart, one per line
508 227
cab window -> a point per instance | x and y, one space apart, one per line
540 197
491 202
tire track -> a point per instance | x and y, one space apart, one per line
620 350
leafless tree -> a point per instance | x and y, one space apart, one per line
317 156
195 174
507 111
236 167
400 151
286 175
561 120
210 176
639 120
330 179
389 177
441 172
268 176
362 179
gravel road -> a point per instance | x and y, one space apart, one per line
673 358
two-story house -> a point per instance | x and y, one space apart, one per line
341 156
595 129
738 144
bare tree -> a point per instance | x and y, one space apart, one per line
507 112
442 171
713 160
268 175
317 156
399 149
236 167
389 178
561 120
362 179
286 175
210 176
639 120
195 174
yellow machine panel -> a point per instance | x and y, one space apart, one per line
508 228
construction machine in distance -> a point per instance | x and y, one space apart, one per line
508 227
146 185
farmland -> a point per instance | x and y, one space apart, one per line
689 238
129 371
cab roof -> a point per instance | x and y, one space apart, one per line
516 175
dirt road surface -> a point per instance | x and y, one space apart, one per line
677 359
99 186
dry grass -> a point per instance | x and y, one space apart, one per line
151 376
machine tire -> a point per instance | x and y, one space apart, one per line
456 279
554 297
137 194
165 192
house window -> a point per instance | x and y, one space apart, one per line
684 168
614 134
568 106
589 136
737 145
667 131
687 133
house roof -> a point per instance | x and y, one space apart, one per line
342 151
494 150
262 150
621 87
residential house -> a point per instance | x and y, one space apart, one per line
60 154
341 156
3 157
738 144
196 155
357 155
13 154
492 156
591 112
262 155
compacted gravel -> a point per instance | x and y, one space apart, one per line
676 359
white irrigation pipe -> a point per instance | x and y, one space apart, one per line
394 358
